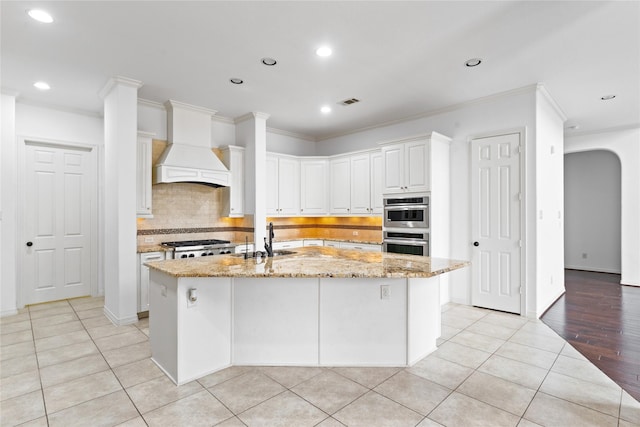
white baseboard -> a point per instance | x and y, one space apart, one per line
119 322
594 269
10 312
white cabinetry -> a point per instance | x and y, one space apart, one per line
283 185
290 244
370 247
143 277
313 182
312 242
406 166
233 196
376 182
356 184
143 178
340 192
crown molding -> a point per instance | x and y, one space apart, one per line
121 81
620 128
249 116
61 108
170 104
152 104
291 134
9 92
544 92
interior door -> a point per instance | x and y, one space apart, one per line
495 223
58 226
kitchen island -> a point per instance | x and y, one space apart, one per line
318 306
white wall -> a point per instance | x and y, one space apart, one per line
509 112
8 209
592 211
33 121
281 142
626 145
549 209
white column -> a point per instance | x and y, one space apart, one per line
251 133
120 135
8 207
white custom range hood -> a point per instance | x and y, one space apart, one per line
189 158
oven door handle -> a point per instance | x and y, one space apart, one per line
407 242
405 207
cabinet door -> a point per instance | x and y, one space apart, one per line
272 185
416 166
288 186
377 183
340 191
360 184
313 183
143 179
393 161
233 195
143 278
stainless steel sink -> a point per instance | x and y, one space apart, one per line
264 254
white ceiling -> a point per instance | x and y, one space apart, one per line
399 58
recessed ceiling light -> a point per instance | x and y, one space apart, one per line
42 85
236 81
324 51
473 62
607 97
269 61
573 127
40 15
325 109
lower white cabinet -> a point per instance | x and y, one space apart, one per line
312 242
143 277
242 248
287 244
370 247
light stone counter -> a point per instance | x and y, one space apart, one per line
311 262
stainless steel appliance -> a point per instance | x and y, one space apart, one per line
404 241
406 212
198 248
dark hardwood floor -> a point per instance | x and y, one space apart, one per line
601 319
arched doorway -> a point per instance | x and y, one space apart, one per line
592 205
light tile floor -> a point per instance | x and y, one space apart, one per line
64 363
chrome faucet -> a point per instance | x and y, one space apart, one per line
268 247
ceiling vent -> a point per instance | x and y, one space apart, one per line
349 101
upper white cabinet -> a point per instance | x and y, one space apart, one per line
355 188
361 184
340 189
376 183
313 183
406 166
283 185
233 196
143 178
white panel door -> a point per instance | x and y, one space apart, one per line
340 191
60 189
360 185
495 224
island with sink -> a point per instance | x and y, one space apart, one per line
315 306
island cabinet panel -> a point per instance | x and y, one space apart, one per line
275 321
423 317
195 338
361 327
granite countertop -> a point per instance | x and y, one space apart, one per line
152 248
309 262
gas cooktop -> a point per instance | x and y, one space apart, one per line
188 243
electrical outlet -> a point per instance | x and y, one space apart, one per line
148 239
385 292
355 233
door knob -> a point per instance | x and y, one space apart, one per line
476 243
29 244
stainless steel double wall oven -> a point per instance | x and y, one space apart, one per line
405 225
